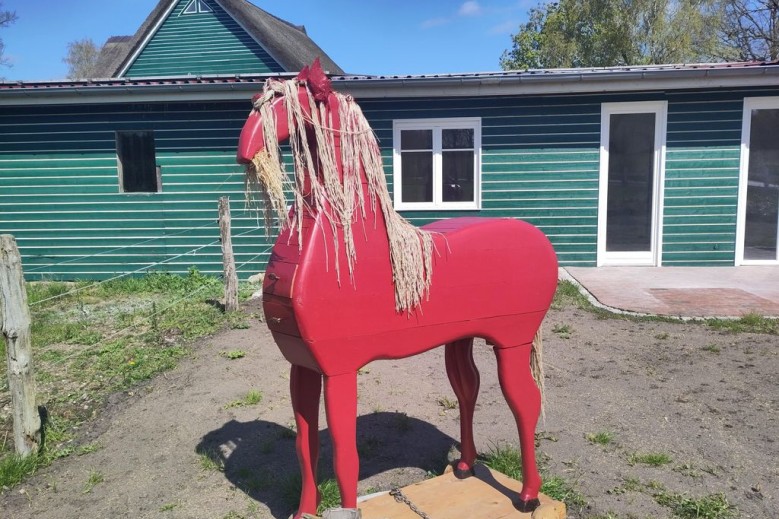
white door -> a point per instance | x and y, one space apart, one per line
631 177
758 209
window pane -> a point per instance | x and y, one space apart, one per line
417 177
416 139
457 139
138 162
630 189
457 176
760 232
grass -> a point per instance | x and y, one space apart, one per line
328 489
447 403
563 330
210 460
14 469
507 460
711 348
568 295
653 459
712 506
749 323
600 438
253 397
104 338
233 354
93 480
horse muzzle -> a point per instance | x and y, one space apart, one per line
251 140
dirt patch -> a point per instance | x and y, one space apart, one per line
180 446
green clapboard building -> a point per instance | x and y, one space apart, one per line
659 165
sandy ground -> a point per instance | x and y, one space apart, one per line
706 399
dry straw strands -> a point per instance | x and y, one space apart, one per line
336 195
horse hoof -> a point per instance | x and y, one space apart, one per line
463 473
526 506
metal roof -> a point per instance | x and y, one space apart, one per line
543 81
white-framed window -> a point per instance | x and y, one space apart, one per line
196 6
757 230
632 175
437 163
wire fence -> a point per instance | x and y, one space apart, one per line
151 265
214 223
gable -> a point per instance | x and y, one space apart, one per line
198 42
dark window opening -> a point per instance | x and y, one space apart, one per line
138 172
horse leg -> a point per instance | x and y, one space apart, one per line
305 388
524 399
464 377
341 408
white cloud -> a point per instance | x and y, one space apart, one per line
470 8
435 22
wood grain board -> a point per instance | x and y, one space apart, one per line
487 495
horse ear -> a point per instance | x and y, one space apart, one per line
304 73
318 82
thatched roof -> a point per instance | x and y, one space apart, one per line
287 43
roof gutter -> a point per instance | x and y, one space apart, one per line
241 87
561 83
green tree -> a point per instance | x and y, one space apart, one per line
6 19
82 59
601 33
750 30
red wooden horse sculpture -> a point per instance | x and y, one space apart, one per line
470 277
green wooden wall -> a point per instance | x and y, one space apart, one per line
59 190
539 161
701 177
201 43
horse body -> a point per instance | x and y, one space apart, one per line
481 288
492 278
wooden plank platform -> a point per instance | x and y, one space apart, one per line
487 495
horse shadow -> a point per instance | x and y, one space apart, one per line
259 457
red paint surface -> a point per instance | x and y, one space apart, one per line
492 278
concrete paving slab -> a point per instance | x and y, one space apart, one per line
684 291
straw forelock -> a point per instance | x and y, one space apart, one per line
338 197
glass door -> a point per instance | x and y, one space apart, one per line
759 185
632 142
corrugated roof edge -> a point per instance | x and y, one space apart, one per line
544 81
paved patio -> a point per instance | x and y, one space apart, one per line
684 291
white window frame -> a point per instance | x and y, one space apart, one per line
436 125
200 7
654 257
750 103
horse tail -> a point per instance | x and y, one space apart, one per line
537 365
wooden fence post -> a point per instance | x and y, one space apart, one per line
15 326
228 260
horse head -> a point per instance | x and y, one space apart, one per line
338 172
310 83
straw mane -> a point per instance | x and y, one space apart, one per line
338 196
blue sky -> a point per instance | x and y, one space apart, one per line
362 36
